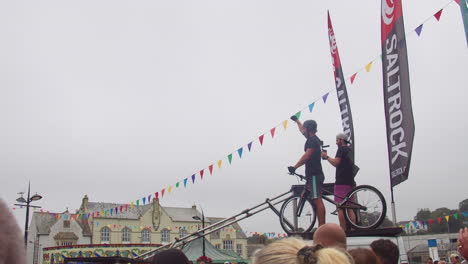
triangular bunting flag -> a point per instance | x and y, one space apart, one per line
298 114
439 219
431 221
261 139
137 203
211 169
464 214
239 151
311 107
185 182
169 189
156 194
455 216
149 198
285 124
458 2
368 66
220 162
353 77
230 158
249 146
447 217
177 185
419 29
324 97
201 174
162 192
438 14
272 132
193 178
144 200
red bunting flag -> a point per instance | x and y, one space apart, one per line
431 221
162 192
438 14
261 139
439 220
201 174
353 77
211 169
272 131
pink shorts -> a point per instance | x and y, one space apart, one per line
342 191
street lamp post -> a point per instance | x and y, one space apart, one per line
26 202
196 217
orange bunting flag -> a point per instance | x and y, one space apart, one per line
162 193
285 124
220 162
169 189
353 77
368 66
201 174
261 139
211 169
272 131
438 14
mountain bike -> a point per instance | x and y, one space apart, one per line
298 214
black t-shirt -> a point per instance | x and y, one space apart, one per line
314 164
344 171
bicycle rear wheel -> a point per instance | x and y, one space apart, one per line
368 205
291 221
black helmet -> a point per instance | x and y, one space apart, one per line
310 125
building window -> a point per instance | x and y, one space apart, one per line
239 249
126 234
227 244
145 236
105 235
182 233
218 246
66 243
66 224
165 236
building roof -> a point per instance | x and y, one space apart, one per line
178 214
194 250
134 212
44 221
236 226
66 236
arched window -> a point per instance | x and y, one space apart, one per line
182 233
126 235
105 235
165 236
145 236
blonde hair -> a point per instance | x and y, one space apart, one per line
297 251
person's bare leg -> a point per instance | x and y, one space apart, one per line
342 219
320 207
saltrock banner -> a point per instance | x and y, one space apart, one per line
343 100
396 89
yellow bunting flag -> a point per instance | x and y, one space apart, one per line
447 218
220 162
368 66
285 124
132 205
169 189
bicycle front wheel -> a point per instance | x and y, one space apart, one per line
294 219
366 208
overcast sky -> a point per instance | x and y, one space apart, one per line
120 99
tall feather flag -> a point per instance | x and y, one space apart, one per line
397 94
343 100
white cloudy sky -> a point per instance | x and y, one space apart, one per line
119 99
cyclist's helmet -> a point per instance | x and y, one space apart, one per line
310 126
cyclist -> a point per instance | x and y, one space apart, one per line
344 177
313 163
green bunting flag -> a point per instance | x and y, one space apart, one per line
230 158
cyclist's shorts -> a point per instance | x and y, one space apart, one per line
314 186
342 191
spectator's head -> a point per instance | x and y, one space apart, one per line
386 251
297 251
11 242
363 256
429 261
173 256
454 258
330 235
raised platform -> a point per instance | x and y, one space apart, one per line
383 232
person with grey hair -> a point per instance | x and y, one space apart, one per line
344 177
11 242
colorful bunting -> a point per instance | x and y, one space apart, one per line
177 185
193 178
324 97
230 158
447 218
169 189
272 132
261 138
285 124
220 162
211 169
185 182
438 14
239 151
419 29
353 77
156 194
201 174
368 66
249 146
311 107
162 192
298 114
